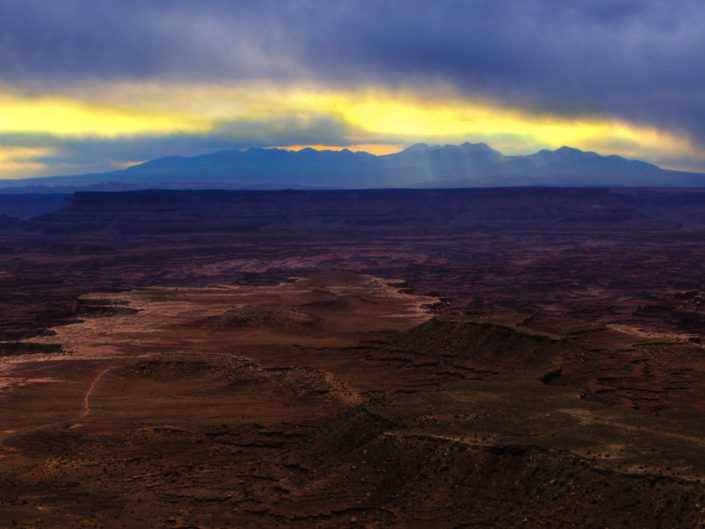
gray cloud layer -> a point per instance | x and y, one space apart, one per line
642 60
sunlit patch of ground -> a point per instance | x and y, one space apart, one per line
291 326
325 402
317 312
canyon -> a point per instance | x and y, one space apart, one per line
524 357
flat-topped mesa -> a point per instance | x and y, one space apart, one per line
356 210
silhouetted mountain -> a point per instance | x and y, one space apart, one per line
421 165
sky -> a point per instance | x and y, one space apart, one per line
94 85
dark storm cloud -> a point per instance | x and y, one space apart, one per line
68 39
642 60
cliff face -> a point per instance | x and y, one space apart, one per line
32 205
361 210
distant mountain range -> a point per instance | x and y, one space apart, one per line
419 166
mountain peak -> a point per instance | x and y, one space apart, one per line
417 147
481 146
466 165
466 147
568 150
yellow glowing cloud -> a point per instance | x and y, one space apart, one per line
21 161
384 117
513 131
65 117
125 165
18 153
379 121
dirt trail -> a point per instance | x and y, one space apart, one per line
86 407
74 422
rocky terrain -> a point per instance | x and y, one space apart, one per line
517 358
